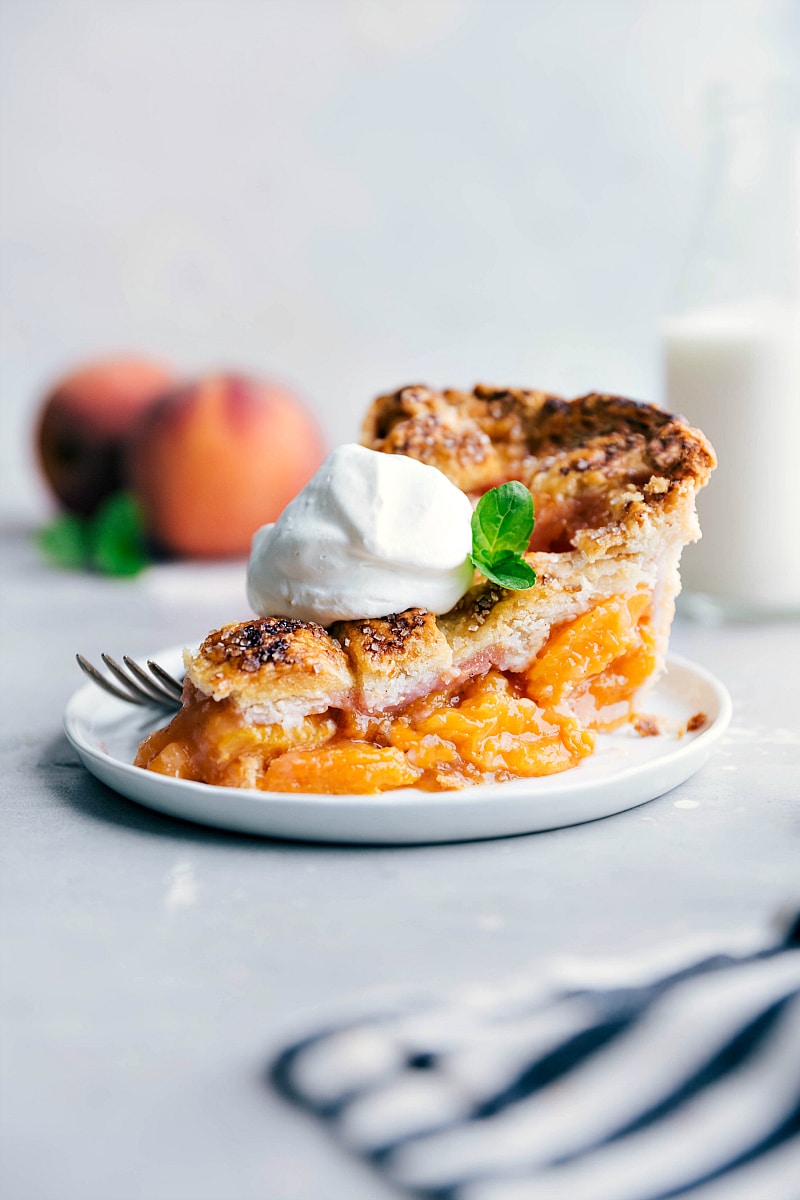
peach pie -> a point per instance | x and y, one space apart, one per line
507 684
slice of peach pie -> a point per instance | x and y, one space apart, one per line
507 684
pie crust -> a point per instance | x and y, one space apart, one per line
507 683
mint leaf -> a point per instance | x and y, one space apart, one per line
503 521
113 541
117 537
64 541
502 525
510 572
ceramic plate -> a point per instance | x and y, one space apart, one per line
624 771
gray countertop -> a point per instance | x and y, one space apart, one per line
150 967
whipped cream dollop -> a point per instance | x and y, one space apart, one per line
370 534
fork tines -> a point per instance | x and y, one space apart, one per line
159 688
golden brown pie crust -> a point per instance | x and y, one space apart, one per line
614 484
619 476
617 458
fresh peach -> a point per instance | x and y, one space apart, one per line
214 460
85 422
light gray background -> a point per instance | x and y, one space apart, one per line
354 194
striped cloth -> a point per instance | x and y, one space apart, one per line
637 1080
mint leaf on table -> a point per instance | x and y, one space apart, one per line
65 541
502 525
117 537
113 541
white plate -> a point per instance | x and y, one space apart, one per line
624 771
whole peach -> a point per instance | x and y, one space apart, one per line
214 460
85 422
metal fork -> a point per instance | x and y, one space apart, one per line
159 688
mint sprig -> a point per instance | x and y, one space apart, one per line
64 541
112 541
502 525
118 537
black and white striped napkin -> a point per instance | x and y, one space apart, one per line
675 1075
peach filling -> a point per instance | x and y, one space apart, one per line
496 727
597 662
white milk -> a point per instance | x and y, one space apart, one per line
735 374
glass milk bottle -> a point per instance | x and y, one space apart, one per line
732 361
